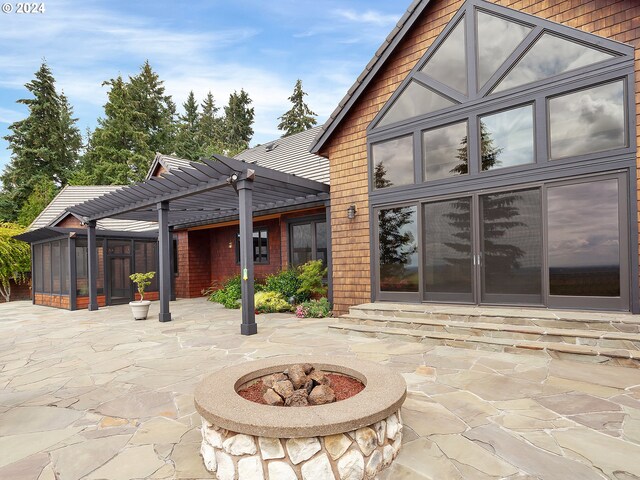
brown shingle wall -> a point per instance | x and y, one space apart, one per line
346 149
69 222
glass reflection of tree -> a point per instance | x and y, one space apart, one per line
499 212
397 244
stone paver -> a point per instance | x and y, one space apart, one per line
92 395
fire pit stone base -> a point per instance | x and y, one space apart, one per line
356 455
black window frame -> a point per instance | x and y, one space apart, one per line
481 101
257 256
313 221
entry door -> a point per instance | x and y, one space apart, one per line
119 282
484 249
510 240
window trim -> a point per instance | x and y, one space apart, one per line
313 220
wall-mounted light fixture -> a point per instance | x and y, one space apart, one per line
351 212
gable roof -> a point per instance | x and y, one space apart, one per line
290 155
168 162
70 196
362 82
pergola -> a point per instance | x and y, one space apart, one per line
209 191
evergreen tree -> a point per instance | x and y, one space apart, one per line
211 127
157 110
139 121
43 192
46 144
300 117
238 121
118 150
188 142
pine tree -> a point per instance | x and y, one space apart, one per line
46 144
43 192
238 121
118 150
157 110
188 141
300 117
211 127
139 121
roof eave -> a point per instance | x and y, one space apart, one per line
373 67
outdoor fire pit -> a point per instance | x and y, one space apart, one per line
350 439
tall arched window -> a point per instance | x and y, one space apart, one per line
485 162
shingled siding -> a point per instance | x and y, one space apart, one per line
346 149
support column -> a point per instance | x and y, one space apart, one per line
327 212
92 263
245 196
164 241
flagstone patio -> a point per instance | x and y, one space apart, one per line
97 395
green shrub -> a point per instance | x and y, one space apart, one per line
310 276
271 302
314 309
286 283
142 280
229 294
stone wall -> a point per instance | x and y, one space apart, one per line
347 147
355 455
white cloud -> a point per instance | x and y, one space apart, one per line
10 116
371 17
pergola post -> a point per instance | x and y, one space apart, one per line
245 197
164 241
92 263
173 265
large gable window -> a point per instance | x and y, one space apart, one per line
484 161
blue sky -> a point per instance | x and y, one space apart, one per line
217 45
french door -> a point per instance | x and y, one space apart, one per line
484 248
558 244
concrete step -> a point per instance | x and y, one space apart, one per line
548 319
575 336
617 356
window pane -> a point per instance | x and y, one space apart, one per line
145 261
448 64
550 56
82 284
507 138
55 267
37 264
46 267
393 162
398 244
497 39
444 151
584 239
447 247
413 101
587 121
300 244
119 247
321 242
260 246
512 244
64 269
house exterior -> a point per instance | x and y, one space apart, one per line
205 252
490 149
487 155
